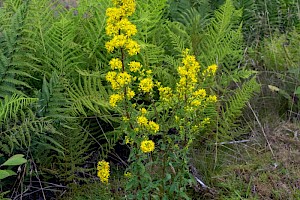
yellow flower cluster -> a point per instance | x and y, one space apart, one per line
127 174
153 126
103 171
165 93
144 122
115 63
210 70
212 98
188 74
147 146
120 28
114 99
118 80
146 85
134 66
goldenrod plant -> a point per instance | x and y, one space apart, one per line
159 167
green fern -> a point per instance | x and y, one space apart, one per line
90 28
90 96
53 103
233 109
9 106
11 64
223 40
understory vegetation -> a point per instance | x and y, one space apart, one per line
149 99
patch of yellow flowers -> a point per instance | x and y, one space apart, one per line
103 171
186 88
147 146
124 74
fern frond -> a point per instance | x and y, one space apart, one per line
178 37
234 107
53 102
9 106
90 29
89 95
61 52
10 52
17 131
223 40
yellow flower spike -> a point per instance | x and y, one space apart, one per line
147 146
103 171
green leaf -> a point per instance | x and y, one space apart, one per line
297 91
6 173
15 160
168 177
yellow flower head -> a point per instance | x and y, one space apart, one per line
142 120
115 63
146 85
123 78
103 171
132 47
212 69
201 93
196 103
111 76
127 174
130 93
212 98
143 111
114 99
147 146
134 66
165 93
114 14
126 26
153 126
128 140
